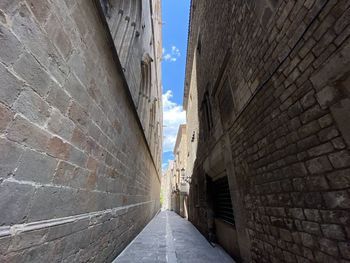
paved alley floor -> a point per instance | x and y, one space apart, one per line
170 238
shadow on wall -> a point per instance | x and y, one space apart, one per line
273 111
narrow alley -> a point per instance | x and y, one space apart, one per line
140 130
171 238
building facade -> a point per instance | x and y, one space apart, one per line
268 112
170 185
166 188
80 122
180 183
175 182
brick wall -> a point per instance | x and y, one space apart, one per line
77 180
287 66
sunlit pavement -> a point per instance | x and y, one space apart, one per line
170 238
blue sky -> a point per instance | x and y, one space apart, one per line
175 29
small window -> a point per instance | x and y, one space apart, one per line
226 104
207 115
193 136
199 45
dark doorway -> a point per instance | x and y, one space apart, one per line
224 230
222 201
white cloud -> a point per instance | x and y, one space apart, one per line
175 51
168 57
173 116
172 55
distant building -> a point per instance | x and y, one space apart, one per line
175 178
268 111
167 186
180 185
80 127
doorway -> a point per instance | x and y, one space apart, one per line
224 230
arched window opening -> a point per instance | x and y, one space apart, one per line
145 87
207 118
152 121
199 45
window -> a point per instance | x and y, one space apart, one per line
145 87
222 200
207 118
152 119
226 104
199 45
193 136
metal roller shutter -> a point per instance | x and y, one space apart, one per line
222 200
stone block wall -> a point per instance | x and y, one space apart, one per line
77 180
287 67
135 30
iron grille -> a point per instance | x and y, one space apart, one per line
222 200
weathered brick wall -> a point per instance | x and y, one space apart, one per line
288 71
77 180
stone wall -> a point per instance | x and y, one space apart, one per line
135 31
179 169
77 179
167 187
278 76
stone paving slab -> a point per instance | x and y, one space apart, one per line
170 238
